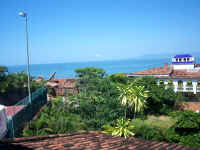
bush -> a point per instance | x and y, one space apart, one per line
13 86
161 100
188 122
149 133
97 113
174 114
191 140
166 109
119 78
123 128
171 136
54 119
186 130
151 129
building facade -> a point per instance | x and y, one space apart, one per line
182 74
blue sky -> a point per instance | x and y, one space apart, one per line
89 30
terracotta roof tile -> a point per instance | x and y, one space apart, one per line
154 71
178 73
12 110
184 73
65 83
88 141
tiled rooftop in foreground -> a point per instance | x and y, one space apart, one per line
86 141
12 110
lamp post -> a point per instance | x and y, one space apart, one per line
23 14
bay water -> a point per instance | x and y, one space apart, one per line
67 70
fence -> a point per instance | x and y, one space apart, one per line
16 122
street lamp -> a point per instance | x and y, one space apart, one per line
23 14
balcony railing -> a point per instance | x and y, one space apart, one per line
198 88
169 86
180 88
184 88
189 88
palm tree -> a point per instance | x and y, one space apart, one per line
133 97
123 128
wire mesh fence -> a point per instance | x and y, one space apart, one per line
17 121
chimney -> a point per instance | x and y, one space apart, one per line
165 65
40 77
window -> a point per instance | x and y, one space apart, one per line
176 59
179 59
188 59
184 59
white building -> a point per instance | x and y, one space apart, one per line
3 122
183 74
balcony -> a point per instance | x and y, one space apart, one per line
184 88
180 89
189 88
169 86
198 88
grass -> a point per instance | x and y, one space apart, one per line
153 127
161 122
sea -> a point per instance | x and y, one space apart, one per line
67 70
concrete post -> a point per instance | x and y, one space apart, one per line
194 84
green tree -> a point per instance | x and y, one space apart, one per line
119 78
160 100
89 77
13 87
186 130
3 71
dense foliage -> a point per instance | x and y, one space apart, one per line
186 130
160 100
123 128
119 78
3 71
13 86
55 118
133 97
152 128
98 106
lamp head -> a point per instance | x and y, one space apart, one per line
22 14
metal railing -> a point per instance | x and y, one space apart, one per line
180 88
198 88
189 88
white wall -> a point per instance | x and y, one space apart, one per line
3 122
185 87
183 66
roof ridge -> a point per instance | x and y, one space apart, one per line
37 138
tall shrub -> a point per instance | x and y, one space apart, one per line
186 130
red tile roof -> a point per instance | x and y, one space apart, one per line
88 141
193 106
177 73
65 83
12 110
154 71
184 73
